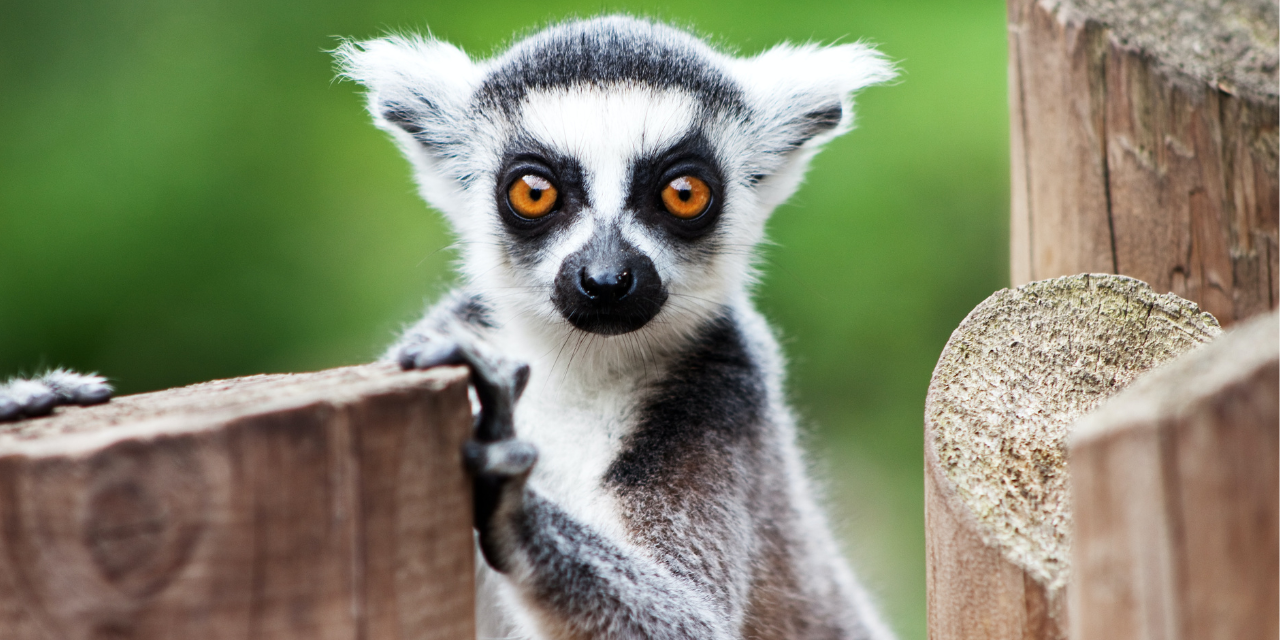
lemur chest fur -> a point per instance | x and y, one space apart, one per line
611 437
579 430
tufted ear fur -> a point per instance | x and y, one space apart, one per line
419 90
801 98
417 86
804 94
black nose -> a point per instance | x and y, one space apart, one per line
606 284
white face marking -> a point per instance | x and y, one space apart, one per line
605 130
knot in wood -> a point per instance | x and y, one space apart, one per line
142 513
125 528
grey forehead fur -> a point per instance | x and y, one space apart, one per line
604 51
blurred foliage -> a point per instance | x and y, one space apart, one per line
186 194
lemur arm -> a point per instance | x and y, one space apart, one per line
583 584
588 587
457 317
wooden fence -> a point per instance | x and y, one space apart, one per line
1101 464
1062 501
1144 143
326 505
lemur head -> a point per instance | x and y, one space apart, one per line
614 174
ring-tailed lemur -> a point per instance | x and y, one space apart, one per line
608 180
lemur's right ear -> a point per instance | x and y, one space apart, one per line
803 95
418 88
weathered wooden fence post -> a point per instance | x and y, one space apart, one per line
1061 504
1144 139
1020 369
331 505
1144 142
1176 485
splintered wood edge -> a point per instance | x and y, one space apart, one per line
77 430
1158 398
1022 367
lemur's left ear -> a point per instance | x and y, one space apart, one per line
804 94
418 88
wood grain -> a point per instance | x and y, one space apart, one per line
1015 375
326 505
1176 494
1127 159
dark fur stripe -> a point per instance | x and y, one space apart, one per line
608 51
473 310
710 401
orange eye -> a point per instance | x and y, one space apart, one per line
532 196
686 197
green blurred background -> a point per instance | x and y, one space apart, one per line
187 194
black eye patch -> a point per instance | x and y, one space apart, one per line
529 238
691 156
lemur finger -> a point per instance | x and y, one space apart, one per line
521 379
439 351
77 388
432 352
32 398
499 473
29 398
505 458
9 408
498 382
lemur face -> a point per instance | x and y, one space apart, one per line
611 175
610 199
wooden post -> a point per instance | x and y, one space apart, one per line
1175 498
1020 369
1144 142
317 506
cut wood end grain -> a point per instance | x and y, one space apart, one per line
1021 368
1186 384
1230 44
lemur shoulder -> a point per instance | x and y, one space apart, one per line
607 181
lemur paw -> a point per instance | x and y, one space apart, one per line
29 398
504 459
499 471
498 381
499 464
